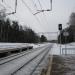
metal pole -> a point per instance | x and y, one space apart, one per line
65 45
60 29
60 41
1 33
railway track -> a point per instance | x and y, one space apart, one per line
15 56
21 64
40 61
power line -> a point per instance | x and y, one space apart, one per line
41 7
10 7
35 5
36 9
2 6
6 4
6 14
39 11
30 10
27 6
51 4
43 12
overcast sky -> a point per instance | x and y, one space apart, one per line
42 22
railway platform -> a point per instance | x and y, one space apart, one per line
61 65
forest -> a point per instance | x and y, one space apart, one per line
11 31
70 29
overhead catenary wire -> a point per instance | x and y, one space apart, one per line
51 4
27 6
44 4
35 5
40 6
50 9
36 8
11 8
6 4
2 6
30 10
43 12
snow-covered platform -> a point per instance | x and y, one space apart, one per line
63 60
7 47
10 48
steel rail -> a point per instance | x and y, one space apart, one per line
16 56
28 62
40 60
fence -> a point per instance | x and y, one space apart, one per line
69 49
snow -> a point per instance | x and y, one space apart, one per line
10 67
39 45
19 45
29 68
12 46
64 62
65 49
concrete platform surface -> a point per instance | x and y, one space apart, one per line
63 65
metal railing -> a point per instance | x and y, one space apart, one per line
68 50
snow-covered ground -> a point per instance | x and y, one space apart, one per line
10 46
70 48
66 48
9 67
18 45
64 63
38 45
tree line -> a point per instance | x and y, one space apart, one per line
13 32
70 29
